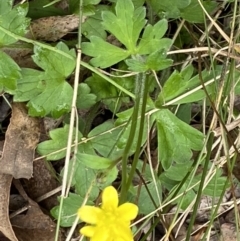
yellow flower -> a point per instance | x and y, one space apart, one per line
110 222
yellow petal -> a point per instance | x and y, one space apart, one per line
88 231
109 198
101 234
127 211
123 232
89 214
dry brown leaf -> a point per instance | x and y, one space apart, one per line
52 28
228 232
42 182
21 139
34 226
44 179
21 55
5 226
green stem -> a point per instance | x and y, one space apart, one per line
144 94
130 139
200 189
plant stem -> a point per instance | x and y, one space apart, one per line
144 94
141 97
130 139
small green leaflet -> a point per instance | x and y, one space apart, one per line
13 19
174 86
127 24
55 100
58 143
29 85
189 10
106 144
94 161
155 61
85 178
182 83
56 94
54 63
145 203
193 12
175 139
152 40
71 204
104 53
85 99
107 93
93 27
9 73
169 8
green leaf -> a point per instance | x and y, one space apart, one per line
151 40
55 100
182 83
93 27
58 144
107 177
126 25
145 203
169 8
56 95
194 13
188 196
175 139
174 86
184 113
6 6
71 204
85 179
13 19
92 2
107 93
106 144
94 161
37 9
102 58
157 60
138 3
85 99
9 73
55 64
136 65
29 85
178 171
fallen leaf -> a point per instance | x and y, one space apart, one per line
44 177
20 142
52 28
21 139
34 225
5 226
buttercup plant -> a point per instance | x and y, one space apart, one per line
109 222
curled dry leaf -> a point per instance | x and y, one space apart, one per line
20 142
21 139
5 226
52 28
